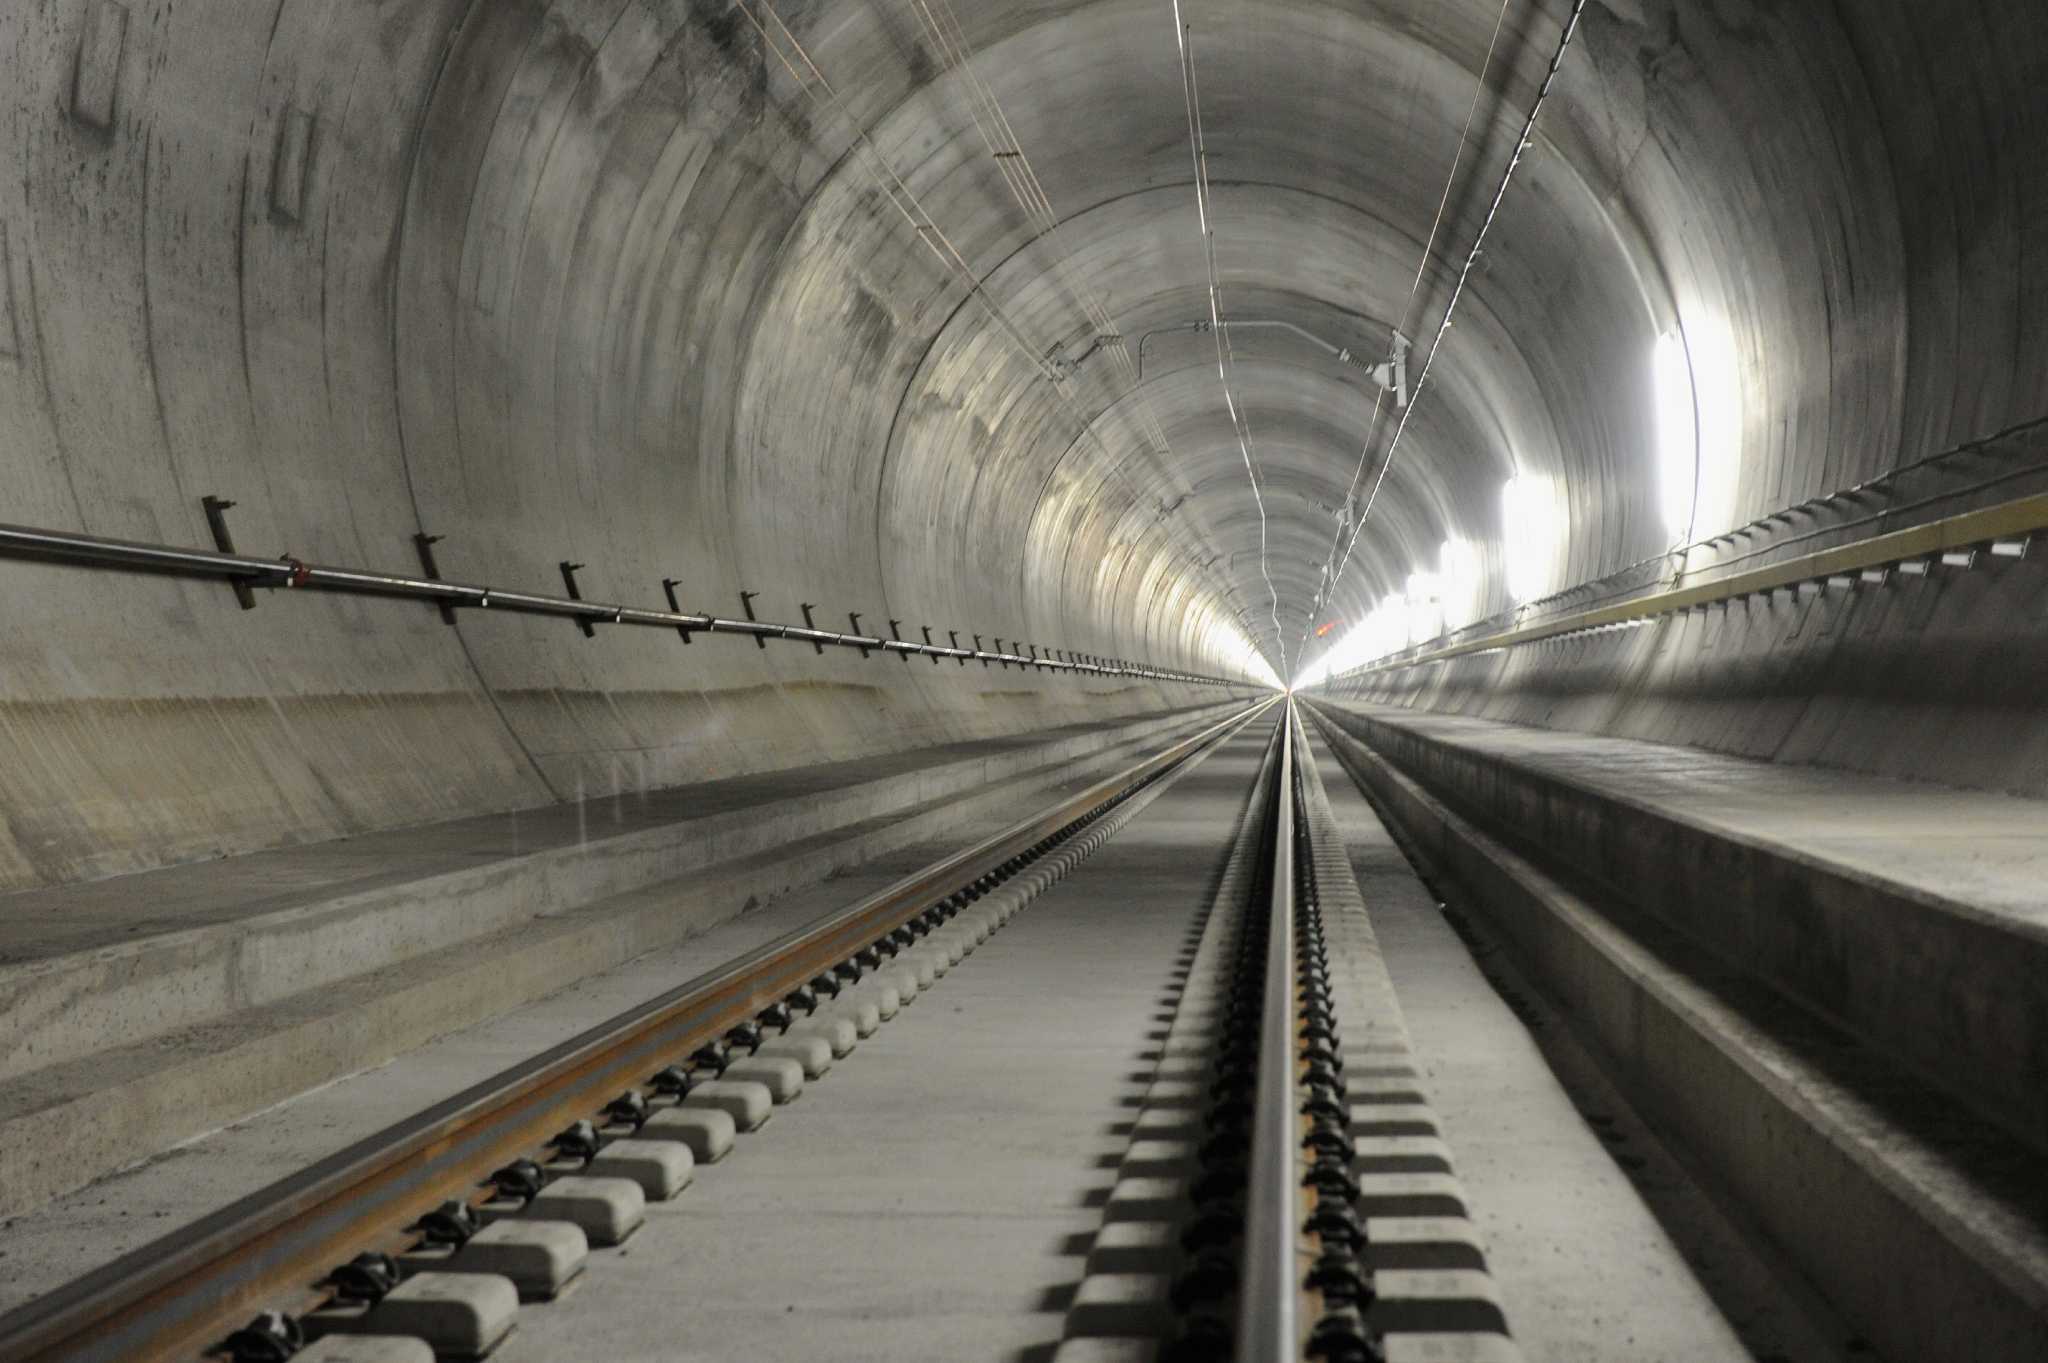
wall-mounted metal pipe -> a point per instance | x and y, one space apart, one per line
76 549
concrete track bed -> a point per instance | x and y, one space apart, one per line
1910 914
1924 1224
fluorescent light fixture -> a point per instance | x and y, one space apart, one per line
1425 607
1697 379
1531 534
1678 444
1385 629
1462 582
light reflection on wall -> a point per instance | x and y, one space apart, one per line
1532 534
1385 630
1425 607
1461 583
1717 388
1698 384
1677 434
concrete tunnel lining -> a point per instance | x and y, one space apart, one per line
582 281
1691 815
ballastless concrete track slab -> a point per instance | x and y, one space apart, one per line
64 1237
1704 971
937 1193
932 1197
1599 1241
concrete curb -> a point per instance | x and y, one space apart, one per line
1812 1133
1931 981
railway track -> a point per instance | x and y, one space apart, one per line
1272 1181
1303 1200
382 1239
1174 1114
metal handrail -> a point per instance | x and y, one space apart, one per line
1269 1315
1616 583
288 573
1843 565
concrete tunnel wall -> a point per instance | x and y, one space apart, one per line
1885 316
597 280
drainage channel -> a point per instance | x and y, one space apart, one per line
1287 1193
424 1240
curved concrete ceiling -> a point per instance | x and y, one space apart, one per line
602 280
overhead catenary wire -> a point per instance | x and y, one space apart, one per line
1402 325
1240 424
825 98
949 38
1522 143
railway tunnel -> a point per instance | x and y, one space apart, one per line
1344 679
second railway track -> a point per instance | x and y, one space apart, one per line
383 1239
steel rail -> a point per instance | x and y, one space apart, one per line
180 1295
2012 520
77 549
1269 1319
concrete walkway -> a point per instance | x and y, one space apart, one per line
1974 848
39 924
1588 1271
202 993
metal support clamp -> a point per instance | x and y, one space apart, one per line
217 520
747 605
423 543
668 588
569 585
